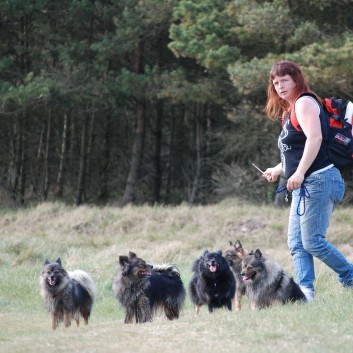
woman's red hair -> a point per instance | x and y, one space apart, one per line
276 105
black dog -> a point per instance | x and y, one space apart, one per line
212 282
66 294
143 289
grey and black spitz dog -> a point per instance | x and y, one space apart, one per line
143 289
266 282
67 295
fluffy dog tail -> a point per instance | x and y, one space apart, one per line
84 279
166 268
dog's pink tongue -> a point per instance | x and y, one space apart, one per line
247 277
213 268
52 281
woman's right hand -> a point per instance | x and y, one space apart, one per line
272 174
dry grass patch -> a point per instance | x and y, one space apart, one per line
92 238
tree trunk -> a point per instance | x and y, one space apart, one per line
105 163
45 188
62 165
23 170
90 139
40 144
83 161
199 155
157 154
137 153
15 157
169 171
139 138
73 143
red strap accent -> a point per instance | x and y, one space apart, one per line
329 108
335 123
294 121
293 117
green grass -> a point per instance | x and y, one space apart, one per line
92 238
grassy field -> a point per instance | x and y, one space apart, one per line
92 238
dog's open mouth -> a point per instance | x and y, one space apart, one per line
144 274
51 281
248 276
212 267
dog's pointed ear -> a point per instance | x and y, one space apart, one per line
205 252
46 262
132 255
258 254
58 260
219 252
238 245
124 264
230 243
239 249
123 260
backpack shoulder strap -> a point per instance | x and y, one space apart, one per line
337 112
293 117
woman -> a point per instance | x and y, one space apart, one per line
316 184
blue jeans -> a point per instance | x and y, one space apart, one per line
307 233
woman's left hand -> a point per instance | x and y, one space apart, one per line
295 181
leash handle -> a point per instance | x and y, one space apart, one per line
303 194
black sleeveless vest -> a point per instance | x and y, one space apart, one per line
291 146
